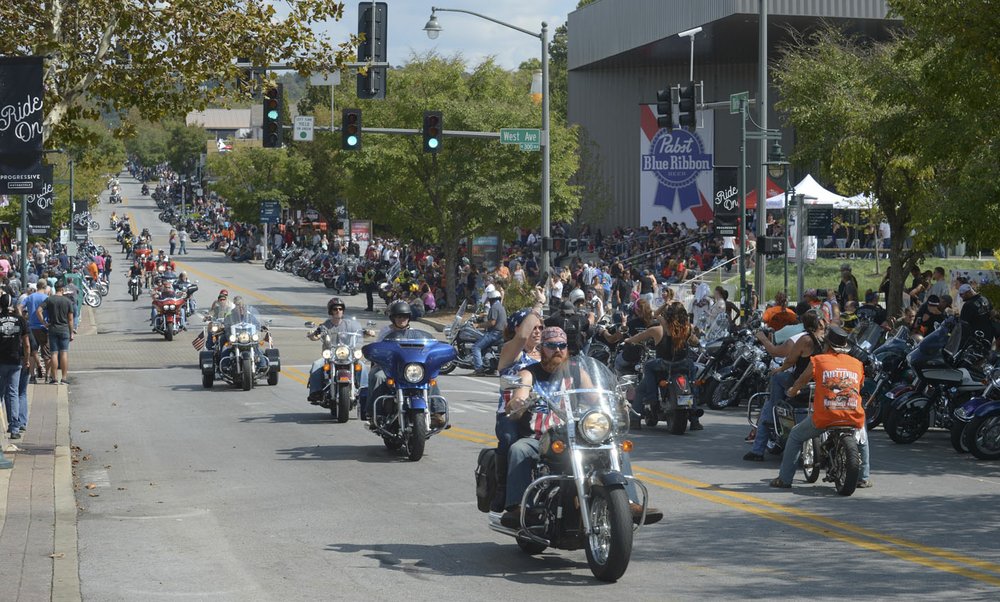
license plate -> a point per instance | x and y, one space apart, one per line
685 401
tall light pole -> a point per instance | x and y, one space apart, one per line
433 29
760 277
777 168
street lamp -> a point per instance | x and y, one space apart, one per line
777 168
433 29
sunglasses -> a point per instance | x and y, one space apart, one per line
336 308
559 346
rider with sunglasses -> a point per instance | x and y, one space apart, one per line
335 308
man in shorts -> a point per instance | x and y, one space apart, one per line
56 313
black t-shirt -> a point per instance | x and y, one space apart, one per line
875 314
12 328
645 285
976 313
57 309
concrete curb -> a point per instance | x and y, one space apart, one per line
65 569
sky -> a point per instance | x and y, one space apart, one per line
473 37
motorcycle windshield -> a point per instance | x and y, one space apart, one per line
584 385
350 337
717 329
866 335
410 334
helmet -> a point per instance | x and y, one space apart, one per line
334 302
399 308
515 319
223 293
576 295
493 294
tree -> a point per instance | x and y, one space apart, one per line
185 144
471 186
164 58
852 105
246 176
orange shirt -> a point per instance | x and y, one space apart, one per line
838 379
92 270
778 317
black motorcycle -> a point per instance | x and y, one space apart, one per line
462 335
746 375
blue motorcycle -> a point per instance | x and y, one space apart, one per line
411 360
976 426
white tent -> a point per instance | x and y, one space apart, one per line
817 195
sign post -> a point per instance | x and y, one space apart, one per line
270 213
527 139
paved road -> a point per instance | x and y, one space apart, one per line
229 495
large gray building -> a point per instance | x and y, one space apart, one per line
622 51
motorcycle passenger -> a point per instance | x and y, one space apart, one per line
672 338
399 321
534 421
496 322
241 313
335 323
839 378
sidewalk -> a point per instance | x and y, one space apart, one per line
38 544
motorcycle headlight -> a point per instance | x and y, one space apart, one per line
327 354
595 427
961 415
256 337
232 338
216 328
342 353
413 373
357 354
244 337
168 307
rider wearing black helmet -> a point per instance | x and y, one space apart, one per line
336 323
399 321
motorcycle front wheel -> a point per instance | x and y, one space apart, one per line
135 294
906 425
343 404
847 464
168 332
272 378
873 412
448 368
810 459
418 436
269 264
92 298
103 289
609 545
247 374
207 380
984 437
957 432
722 395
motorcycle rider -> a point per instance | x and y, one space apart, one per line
220 308
496 322
399 321
976 312
839 378
672 337
534 421
335 323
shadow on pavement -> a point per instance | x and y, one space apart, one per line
317 417
487 559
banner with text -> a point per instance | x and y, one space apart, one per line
40 206
361 233
21 113
21 174
675 177
81 220
727 200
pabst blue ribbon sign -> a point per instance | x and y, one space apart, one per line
675 171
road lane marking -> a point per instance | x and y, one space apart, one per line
826 527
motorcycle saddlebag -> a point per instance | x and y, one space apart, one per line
486 478
272 359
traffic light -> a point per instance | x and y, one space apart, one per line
372 24
687 114
272 117
432 131
350 129
664 109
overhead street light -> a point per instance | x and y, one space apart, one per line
433 29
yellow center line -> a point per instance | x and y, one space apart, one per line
295 374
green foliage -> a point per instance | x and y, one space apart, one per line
246 176
517 296
163 58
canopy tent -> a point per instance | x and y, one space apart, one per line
772 190
817 195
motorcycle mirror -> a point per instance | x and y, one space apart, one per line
310 324
511 381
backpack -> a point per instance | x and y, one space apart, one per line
486 478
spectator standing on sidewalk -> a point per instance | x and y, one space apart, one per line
182 236
14 347
57 314
38 335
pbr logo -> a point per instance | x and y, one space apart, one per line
676 158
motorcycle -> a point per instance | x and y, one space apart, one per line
714 350
747 375
344 384
885 367
135 286
145 190
168 314
674 404
246 355
462 336
976 425
412 360
577 495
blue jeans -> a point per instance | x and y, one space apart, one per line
10 375
651 373
490 338
779 384
793 448
22 397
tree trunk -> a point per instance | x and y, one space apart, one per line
897 267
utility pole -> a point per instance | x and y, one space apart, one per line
760 274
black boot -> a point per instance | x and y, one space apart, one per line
499 498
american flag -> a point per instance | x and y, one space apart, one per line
199 341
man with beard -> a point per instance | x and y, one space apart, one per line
535 420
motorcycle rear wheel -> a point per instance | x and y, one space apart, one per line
247 374
418 436
651 419
609 547
984 437
343 404
810 459
269 264
677 421
847 461
906 425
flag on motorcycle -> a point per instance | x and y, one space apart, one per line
199 341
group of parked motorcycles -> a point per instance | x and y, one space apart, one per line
344 274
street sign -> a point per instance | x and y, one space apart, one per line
303 130
324 79
270 212
521 136
819 220
312 215
530 146
734 101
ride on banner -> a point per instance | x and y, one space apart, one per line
676 166
40 206
81 220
